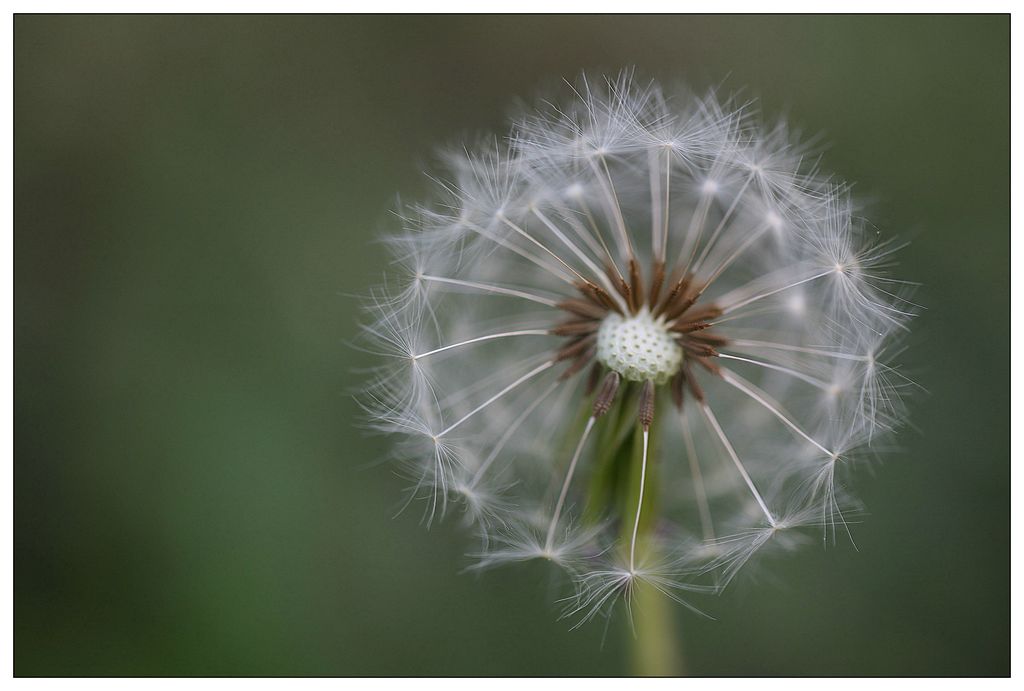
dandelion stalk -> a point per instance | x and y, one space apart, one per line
656 650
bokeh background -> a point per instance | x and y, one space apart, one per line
197 201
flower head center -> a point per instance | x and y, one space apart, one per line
638 347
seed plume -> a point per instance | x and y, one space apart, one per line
641 337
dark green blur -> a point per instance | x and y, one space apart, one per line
196 203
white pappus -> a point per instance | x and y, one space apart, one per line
643 337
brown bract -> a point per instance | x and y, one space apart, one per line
678 304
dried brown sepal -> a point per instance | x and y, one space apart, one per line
579 363
710 338
690 327
636 289
678 286
657 279
619 282
606 394
691 383
575 347
709 365
646 409
697 349
704 312
678 290
681 305
576 327
588 293
676 387
601 297
583 308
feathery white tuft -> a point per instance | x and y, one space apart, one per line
636 272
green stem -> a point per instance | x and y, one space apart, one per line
615 488
656 650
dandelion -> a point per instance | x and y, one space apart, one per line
643 338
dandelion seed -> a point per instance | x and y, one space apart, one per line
640 339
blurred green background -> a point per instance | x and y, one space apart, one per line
196 201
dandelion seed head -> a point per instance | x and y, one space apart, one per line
638 347
643 337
